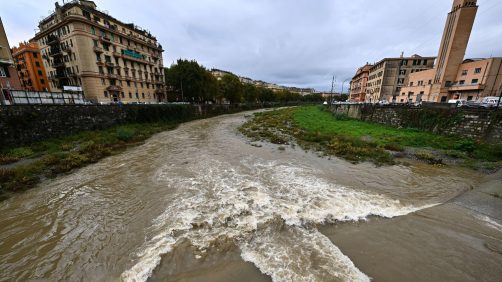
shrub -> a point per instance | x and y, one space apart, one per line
125 134
20 153
465 146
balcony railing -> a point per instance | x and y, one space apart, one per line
98 49
466 87
58 64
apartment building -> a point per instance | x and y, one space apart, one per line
30 67
358 84
453 77
475 79
110 60
388 76
8 74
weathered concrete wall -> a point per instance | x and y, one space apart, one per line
478 124
27 124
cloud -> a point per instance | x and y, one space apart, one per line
299 43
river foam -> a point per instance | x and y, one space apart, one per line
269 209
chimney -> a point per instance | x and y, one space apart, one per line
402 55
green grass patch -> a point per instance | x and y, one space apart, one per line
355 140
57 156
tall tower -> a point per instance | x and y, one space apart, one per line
454 43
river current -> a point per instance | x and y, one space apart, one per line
196 189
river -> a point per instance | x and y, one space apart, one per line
200 203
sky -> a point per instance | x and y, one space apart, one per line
301 43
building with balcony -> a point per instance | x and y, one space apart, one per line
475 79
30 67
112 61
358 84
388 76
454 77
8 74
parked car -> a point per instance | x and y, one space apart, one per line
458 102
490 102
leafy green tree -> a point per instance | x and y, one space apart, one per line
231 88
250 93
191 80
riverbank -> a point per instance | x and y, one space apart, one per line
24 167
315 128
431 244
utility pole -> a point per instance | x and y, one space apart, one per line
331 93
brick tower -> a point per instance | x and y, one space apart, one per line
454 44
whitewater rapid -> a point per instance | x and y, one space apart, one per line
269 210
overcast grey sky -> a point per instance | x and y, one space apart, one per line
289 42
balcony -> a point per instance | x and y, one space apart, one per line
98 49
58 65
55 52
52 40
113 76
110 64
105 39
116 54
466 87
100 63
66 49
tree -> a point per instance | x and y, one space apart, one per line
231 88
191 80
250 93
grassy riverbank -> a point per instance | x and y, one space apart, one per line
315 128
24 167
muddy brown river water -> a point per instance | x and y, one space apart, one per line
199 203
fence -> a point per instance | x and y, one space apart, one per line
21 97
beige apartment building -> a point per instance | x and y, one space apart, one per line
359 83
475 79
110 60
453 77
388 76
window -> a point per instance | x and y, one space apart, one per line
469 98
95 43
464 72
414 62
474 81
130 95
39 72
123 95
143 95
42 81
425 62
93 30
430 81
402 72
400 81
462 82
3 73
101 70
443 99
35 55
411 84
404 62
477 70
106 94
137 95
447 83
37 64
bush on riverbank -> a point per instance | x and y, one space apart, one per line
354 140
52 157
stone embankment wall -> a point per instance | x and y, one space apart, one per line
26 124
478 124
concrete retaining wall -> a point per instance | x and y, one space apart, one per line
26 124
478 124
